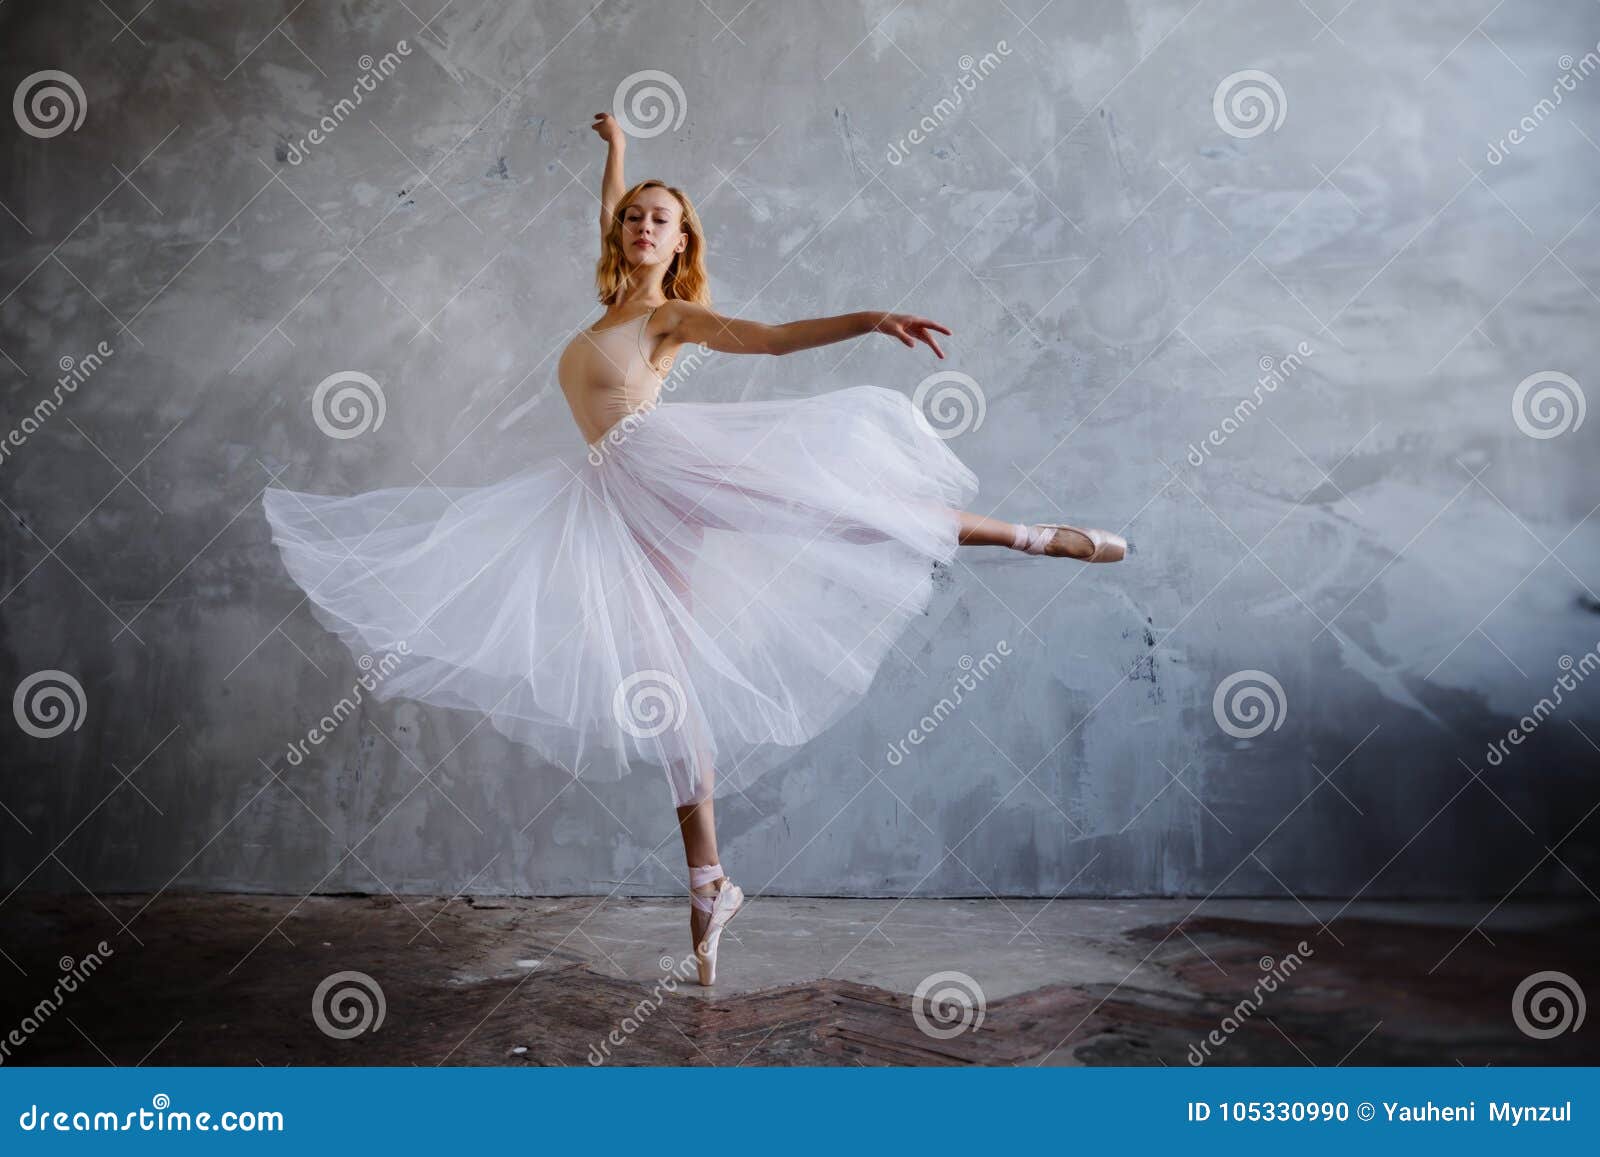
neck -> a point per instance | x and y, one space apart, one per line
646 292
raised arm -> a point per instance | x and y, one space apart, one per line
694 324
612 185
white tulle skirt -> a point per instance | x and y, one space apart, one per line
707 579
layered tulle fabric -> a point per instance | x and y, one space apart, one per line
705 580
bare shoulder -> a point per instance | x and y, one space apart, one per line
695 324
677 315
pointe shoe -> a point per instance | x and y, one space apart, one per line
721 905
1036 539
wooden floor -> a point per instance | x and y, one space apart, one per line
230 980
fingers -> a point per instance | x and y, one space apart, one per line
921 325
911 330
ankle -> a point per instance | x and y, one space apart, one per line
703 874
1030 539
705 881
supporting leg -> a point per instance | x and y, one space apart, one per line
698 825
672 550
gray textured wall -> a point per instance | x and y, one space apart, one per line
1406 554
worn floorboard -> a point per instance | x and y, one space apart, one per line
230 979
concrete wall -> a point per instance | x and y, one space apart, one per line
1118 250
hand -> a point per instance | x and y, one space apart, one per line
911 329
608 129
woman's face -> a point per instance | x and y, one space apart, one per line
651 228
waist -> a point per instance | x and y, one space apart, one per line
631 417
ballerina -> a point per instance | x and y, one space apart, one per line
701 579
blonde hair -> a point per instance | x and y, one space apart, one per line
686 277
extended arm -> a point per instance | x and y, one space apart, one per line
612 185
697 325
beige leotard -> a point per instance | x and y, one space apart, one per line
606 374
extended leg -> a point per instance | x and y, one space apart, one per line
979 530
1064 541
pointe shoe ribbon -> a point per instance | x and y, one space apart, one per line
1033 539
700 876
